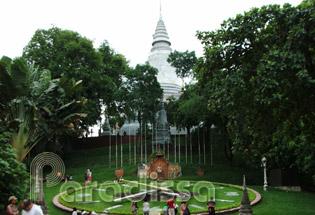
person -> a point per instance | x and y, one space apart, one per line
74 211
211 206
146 207
134 207
86 177
171 204
182 208
176 208
70 177
38 202
30 209
165 210
12 208
90 176
186 211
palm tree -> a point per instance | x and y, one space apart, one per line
34 106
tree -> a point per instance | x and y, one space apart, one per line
184 62
36 108
13 175
192 99
142 93
113 68
68 53
259 73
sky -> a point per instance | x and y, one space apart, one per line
128 25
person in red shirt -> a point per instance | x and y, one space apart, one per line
171 204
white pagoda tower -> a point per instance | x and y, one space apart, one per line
161 48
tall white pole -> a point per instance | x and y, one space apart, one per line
204 146
141 156
152 138
190 148
211 153
156 145
145 142
175 147
212 128
116 151
199 146
129 147
186 148
179 148
168 150
121 151
110 151
135 150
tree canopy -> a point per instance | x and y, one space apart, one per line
259 73
142 93
184 62
68 53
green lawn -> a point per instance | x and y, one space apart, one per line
275 202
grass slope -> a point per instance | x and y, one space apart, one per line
274 202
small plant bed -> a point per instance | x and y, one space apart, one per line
115 198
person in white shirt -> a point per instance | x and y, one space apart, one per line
74 211
31 209
146 208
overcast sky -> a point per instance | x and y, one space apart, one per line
128 25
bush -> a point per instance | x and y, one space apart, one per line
13 174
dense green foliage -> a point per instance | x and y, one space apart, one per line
184 62
35 107
113 68
259 73
189 110
142 93
13 174
68 53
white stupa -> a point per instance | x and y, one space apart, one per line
161 48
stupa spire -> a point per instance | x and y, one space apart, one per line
160 9
161 48
160 37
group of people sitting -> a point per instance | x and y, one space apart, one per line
28 207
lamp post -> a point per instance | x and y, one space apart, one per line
264 162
